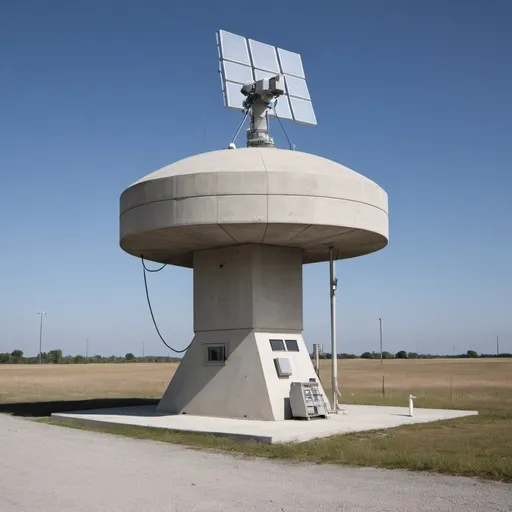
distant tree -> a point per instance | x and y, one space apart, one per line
367 355
472 353
129 357
387 355
79 359
344 355
17 354
402 354
411 355
55 356
5 358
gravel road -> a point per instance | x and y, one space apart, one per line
49 468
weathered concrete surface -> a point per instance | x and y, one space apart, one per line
47 468
262 196
357 418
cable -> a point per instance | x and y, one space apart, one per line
282 127
240 127
144 270
152 270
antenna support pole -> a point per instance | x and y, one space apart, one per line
259 96
257 134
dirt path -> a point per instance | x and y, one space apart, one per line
48 468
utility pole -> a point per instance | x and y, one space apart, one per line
497 345
41 314
86 347
380 324
333 282
142 349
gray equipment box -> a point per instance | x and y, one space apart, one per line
307 401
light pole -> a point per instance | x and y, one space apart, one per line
380 325
497 346
41 313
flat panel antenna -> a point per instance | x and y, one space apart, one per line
261 79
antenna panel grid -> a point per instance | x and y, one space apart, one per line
244 60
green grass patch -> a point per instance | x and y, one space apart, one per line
478 446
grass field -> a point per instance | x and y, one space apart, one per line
479 445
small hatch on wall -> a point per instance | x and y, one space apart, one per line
283 366
215 354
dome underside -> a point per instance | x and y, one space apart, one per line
176 245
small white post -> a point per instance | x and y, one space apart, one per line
411 405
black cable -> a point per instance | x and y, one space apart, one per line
144 270
152 270
282 127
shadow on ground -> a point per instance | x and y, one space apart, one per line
40 409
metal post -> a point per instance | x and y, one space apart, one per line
41 313
317 358
86 347
380 323
334 356
142 349
497 345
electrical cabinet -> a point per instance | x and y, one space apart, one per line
307 401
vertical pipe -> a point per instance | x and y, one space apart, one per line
334 357
497 345
411 405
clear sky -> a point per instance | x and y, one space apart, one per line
94 94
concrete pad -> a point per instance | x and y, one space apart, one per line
355 418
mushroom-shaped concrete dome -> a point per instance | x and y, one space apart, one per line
253 196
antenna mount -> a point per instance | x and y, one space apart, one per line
259 95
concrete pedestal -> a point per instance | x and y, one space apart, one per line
244 297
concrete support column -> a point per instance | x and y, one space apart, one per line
248 287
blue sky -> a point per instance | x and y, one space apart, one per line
414 95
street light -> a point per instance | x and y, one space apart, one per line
41 313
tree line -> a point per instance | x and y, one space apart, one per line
402 354
56 357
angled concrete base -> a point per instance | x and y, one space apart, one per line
356 418
245 298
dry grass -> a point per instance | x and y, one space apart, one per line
479 445
33 383
481 384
